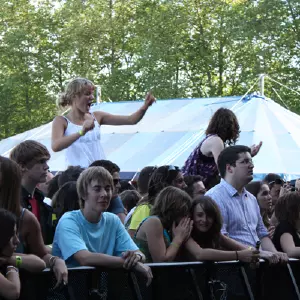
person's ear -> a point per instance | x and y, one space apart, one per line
23 168
229 168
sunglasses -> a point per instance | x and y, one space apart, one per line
276 181
116 181
173 168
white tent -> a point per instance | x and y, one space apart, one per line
171 129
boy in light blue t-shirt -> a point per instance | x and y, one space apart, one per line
93 237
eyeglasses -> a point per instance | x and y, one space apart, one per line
246 161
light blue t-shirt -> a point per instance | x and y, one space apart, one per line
74 233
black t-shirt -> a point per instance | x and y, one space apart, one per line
116 206
285 227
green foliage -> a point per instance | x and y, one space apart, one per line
183 48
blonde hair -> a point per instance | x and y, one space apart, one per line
74 87
87 176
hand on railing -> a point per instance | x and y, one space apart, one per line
131 259
249 256
145 271
61 272
274 257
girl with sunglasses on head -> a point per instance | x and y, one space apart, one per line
161 177
79 130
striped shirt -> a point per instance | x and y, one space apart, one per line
240 212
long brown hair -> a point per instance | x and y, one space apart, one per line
287 208
171 205
10 186
211 238
8 221
224 123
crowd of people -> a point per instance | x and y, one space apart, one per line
210 209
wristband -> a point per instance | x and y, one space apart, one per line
140 255
11 269
175 245
18 261
81 132
52 261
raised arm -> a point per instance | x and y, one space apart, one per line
108 119
156 243
213 145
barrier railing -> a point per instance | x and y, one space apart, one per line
195 280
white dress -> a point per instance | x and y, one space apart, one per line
86 149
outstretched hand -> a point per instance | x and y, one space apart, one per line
255 149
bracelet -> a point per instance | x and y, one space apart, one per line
237 256
19 261
52 261
81 132
12 271
175 245
140 255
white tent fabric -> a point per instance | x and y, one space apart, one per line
171 129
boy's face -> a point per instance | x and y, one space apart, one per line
38 170
98 196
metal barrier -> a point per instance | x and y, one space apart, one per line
195 280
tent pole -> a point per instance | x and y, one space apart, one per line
98 94
262 84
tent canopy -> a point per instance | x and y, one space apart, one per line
171 129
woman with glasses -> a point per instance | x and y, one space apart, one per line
161 177
223 129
